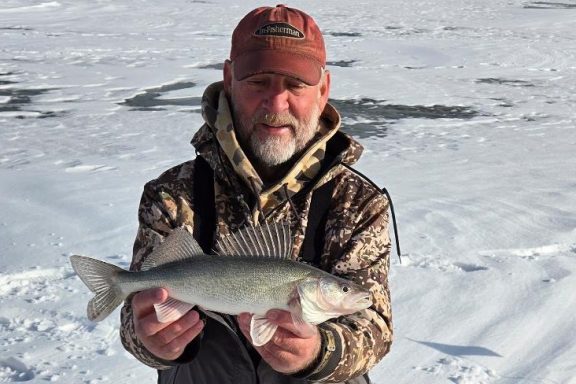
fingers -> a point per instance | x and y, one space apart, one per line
289 353
287 333
150 327
292 347
284 320
244 320
170 342
286 326
165 340
143 302
179 327
175 348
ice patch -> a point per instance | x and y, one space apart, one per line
413 80
38 7
88 168
545 250
466 267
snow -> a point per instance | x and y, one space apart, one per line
466 110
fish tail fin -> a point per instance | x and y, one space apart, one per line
100 278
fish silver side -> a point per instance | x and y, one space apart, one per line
252 272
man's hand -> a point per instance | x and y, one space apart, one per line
292 348
165 340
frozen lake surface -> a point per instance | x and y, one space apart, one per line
467 113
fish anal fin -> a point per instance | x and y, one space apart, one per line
261 330
171 310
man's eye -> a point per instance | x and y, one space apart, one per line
256 82
297 85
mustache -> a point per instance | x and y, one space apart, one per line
275 119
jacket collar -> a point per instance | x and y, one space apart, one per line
216 142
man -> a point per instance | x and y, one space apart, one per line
269 150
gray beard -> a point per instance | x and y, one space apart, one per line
274 151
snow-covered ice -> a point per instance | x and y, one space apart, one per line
467 112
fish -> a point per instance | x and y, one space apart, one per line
251 271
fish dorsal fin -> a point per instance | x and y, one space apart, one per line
177 246
267 240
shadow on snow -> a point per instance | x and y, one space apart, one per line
458 350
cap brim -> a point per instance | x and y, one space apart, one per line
273 61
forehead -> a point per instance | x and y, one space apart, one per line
274 76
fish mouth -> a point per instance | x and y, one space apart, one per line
366 300
362 300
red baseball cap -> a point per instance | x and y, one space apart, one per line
279 40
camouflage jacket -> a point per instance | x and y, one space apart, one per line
356 246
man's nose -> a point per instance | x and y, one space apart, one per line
277 98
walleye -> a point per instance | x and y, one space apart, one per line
252 272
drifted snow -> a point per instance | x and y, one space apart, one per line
466 110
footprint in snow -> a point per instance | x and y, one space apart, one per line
14 370
533 253
36 281
460 371
440 264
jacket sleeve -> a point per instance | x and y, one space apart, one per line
158 214
358 249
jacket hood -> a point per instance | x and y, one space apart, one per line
216 142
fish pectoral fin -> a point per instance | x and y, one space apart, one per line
261 330
171 310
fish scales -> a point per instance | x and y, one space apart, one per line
252 273
223 283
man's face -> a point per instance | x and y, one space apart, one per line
275 116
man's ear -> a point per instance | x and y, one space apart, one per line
324 89
227 76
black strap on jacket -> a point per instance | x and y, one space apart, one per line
317 216
204 206
205 210
387 194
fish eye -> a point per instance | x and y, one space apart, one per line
345 289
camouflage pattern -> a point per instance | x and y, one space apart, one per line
357 245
